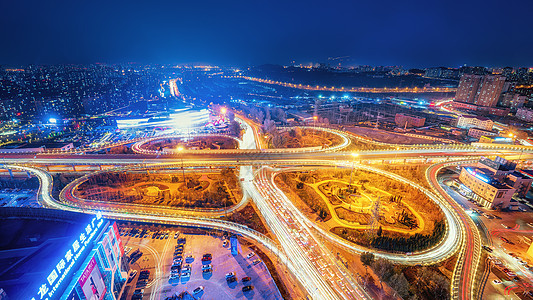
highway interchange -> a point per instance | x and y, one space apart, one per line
299 244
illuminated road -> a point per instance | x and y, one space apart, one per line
439 252
302 249
352 89
469 261
325 278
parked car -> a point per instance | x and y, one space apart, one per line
250 255
132 275
197 290
247 288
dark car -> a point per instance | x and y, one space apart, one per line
247 288
246 279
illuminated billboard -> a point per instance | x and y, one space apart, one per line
108 253
91 282
65 265
117 235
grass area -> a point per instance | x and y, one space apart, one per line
407 220
214 190
301 138
249 217
195 143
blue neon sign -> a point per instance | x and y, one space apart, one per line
65 264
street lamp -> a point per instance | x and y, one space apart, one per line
396 153
314 120
180 150
354 155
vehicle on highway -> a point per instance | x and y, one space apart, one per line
231 274
189 258
250 255
495 281
176 235
487 248
225 244
204 267
207 271
197 290
505 226
530 224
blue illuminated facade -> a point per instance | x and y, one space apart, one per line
97 247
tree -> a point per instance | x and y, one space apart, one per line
383 268
399 283
269 127
235 128
367 258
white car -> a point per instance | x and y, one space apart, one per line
495 281
250 255
198 290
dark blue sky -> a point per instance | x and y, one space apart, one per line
378 32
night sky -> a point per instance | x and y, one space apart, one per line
409 33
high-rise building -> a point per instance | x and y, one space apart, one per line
481 90
490 90
468 87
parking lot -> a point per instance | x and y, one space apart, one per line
161 254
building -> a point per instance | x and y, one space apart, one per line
468 87
497 111
407 121
512 100
492 183
466 121
492 139
481 90
36 147
525 114
60 255
478 133
490 90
